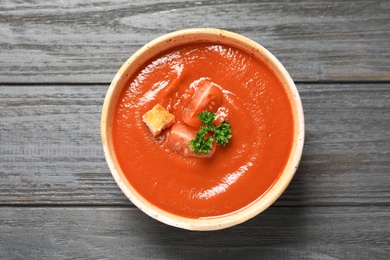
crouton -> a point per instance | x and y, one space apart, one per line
158 119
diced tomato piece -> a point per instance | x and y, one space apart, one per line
207 97
179 137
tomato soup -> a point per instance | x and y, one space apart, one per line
254 103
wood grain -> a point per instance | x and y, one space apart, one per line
51 154
120 233
78 41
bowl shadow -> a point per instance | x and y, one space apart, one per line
276 231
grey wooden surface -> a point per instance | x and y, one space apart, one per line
57 197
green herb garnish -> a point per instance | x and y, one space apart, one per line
208 133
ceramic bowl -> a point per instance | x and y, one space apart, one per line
169 41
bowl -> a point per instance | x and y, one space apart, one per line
167 42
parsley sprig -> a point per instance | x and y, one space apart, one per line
208 133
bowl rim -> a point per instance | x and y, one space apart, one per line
176 38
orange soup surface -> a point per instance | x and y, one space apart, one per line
255 104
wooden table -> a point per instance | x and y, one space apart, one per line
58 199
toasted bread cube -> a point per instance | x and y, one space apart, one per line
158 119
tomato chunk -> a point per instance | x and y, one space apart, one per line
207 97
179 137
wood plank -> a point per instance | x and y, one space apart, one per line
50 145
347 145
87 42
120 233
50 148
